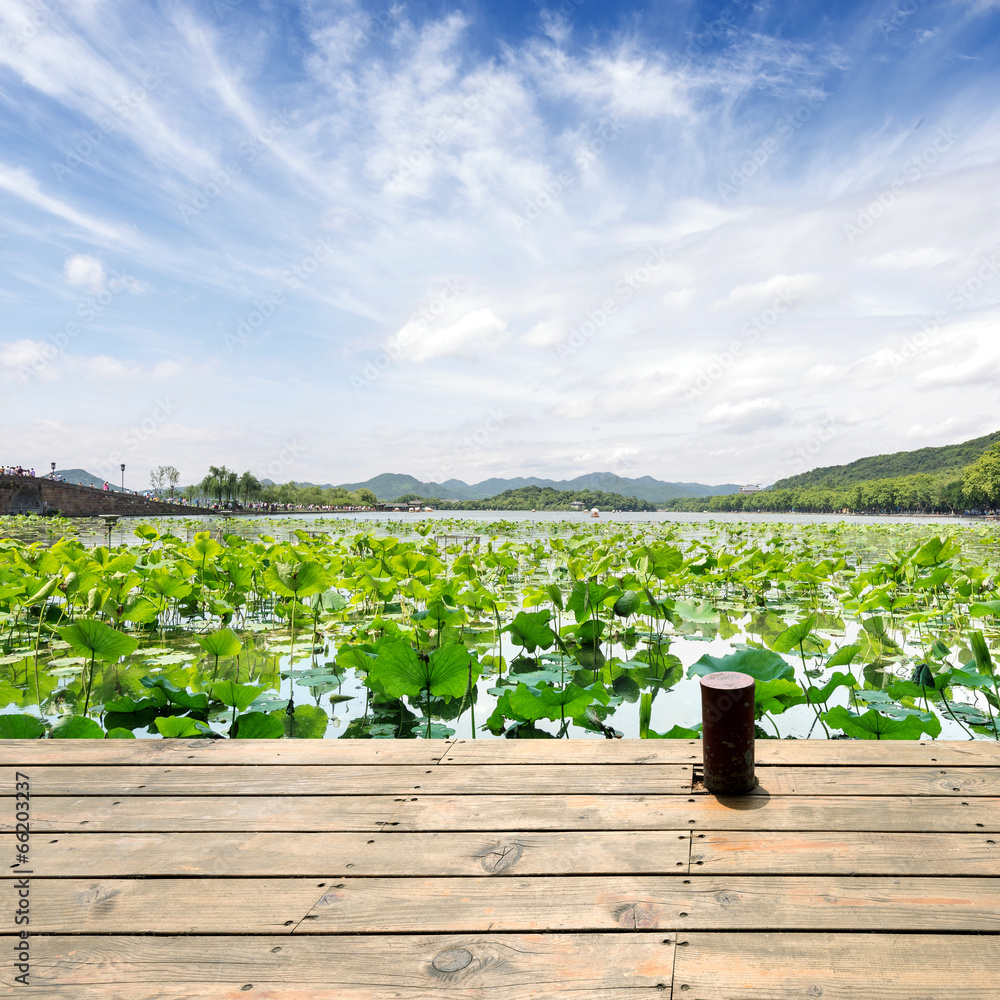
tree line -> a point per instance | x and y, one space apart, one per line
977 487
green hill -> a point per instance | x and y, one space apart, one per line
389 486
950 458
548 498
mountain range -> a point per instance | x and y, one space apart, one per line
389 486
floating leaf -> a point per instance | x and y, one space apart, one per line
178 726
20 727
257 726
76 727
875 726
761 664
310 722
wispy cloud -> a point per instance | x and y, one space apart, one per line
571 173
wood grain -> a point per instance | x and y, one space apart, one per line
370 869
727 966
852 853
492 779
386 813
359 779
467 905
327 854
858 753
20 753
307 967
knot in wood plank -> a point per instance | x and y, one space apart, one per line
453 960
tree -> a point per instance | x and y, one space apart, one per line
220 483
164 476
250 487
170 477
981 483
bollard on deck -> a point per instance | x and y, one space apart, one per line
727 714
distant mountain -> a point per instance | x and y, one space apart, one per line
949 458
83 478
388 486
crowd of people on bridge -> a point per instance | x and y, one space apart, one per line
15 470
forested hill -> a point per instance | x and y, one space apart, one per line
950 458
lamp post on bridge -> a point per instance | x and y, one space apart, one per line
52 474
123 477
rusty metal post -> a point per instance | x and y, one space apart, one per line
727 714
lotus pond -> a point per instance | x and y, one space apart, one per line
518 629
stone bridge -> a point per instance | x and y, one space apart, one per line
36 495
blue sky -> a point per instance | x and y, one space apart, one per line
322 240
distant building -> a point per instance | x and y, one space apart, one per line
755 488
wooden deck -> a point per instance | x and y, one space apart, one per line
369 870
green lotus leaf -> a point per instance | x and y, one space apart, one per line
94 638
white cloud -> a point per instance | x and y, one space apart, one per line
788 288
907 259
478 331
547 333
749 415
408 149
87 271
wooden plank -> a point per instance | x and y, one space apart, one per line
485 779
382 905
109 855
727 966
874 780
402 779
858 753
851 853
495 812
471 905
21 753
348 967
901 753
